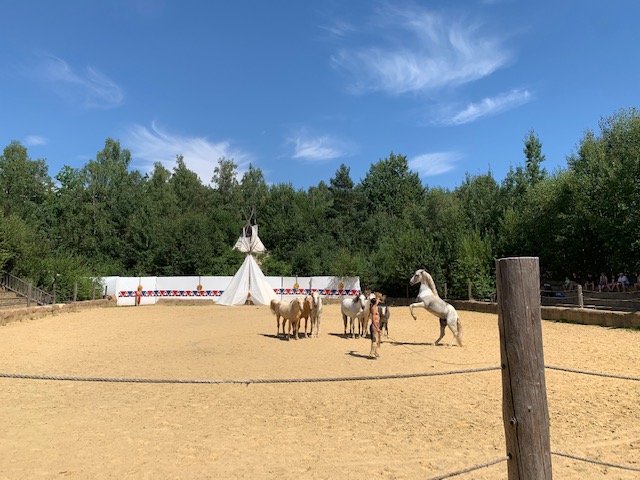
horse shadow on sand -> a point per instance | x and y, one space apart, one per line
345 337
282 338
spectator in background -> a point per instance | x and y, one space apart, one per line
603 283
623 282
575 281
566 286
589 283
612 282
637 284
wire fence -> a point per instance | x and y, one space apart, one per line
343 379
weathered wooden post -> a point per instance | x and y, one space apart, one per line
53 301
29 294
93 289
75 291
524 396
469 290
580 297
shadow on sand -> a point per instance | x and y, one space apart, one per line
359 355
346 337
282 337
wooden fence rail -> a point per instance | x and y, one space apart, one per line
25 289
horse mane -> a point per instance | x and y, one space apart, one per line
430 283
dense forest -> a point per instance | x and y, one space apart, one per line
107 219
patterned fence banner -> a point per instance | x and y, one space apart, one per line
148 290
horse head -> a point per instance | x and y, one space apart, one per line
316 299
417 277
298 305
361 299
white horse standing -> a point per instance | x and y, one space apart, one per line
429 299
316 313
352 308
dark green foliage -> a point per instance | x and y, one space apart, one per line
105 218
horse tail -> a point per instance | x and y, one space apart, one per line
459 335
274 306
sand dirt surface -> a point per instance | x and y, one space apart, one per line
413 428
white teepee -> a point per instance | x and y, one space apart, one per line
249 279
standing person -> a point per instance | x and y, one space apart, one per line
374 328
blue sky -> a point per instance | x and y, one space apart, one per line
297 88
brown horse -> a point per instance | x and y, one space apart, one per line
307 307
288 311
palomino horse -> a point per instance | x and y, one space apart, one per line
316 313
288 311
366 313
429 299
352 308
307 306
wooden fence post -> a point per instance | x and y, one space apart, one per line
29 294
469 290
580 297
75 292
524 396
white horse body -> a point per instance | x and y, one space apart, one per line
316 313
429 299
352 308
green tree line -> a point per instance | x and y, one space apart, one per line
109 219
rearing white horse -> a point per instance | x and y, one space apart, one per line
429 299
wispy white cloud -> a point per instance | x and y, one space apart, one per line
432 164
88 87
316 149
35 140
151 145
489 106
423 52
338 29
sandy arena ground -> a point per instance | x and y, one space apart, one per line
390 429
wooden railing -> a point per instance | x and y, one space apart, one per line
25 289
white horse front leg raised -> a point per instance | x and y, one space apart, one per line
415 305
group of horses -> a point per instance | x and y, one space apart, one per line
309 308
358 311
